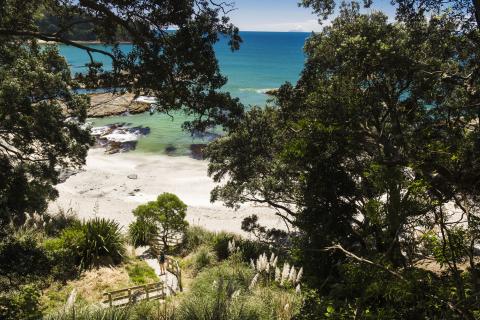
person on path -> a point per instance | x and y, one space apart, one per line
161 261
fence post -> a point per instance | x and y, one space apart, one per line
110 302
129 295
146 292
179 278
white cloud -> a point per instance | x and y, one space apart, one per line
299 26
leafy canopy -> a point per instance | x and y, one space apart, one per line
158 220
372 146
41 117
36 138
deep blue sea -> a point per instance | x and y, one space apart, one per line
265 61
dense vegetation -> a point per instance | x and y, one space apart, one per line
41 117
226 276
372 159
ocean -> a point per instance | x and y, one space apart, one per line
265 61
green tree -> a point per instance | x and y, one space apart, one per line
41 118
158 220
37 138
378 137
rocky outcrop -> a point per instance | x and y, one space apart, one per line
109 104
118 137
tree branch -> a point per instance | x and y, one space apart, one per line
363 260
53 38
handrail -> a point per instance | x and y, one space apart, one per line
144 289
174 268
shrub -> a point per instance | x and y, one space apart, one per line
220 244
64 257
203 257
56 223
274 303
103 243
222 302
20 304
251 249
194 237
141 311
92 243
22 260
141 233
222 292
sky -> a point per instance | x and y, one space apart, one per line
282 15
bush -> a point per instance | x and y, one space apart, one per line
222 292
203 257
56 223
220 244
216 294
92 243
22 260
141 311
141 232
63 252
21 304
103 243
194 237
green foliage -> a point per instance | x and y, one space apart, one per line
452 248
222 292
203 257
372 145
194 237
63 252
141 232
22 304
22 260
88 244
220 244
163 219
141 273
134 312
103 243
212 295
54 224
37 140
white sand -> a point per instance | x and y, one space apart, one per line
104 190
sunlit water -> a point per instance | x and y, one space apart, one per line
265 61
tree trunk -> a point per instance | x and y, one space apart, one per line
476 8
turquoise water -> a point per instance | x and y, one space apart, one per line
265 61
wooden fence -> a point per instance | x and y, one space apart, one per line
125 296
147 292
174 268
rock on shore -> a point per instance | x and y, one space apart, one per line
109 104
118 137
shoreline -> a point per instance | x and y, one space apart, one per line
111 186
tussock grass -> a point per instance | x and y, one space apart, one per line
91 285
140 272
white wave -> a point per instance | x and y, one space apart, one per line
100 131
146 99
121 136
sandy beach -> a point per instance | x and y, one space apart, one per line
112 186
